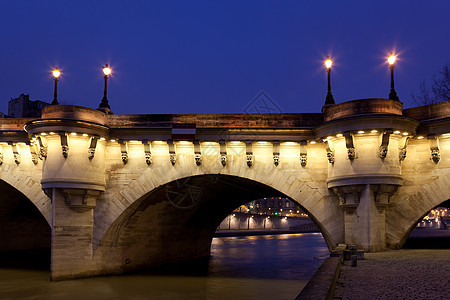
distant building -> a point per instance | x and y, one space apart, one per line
22 107
276 206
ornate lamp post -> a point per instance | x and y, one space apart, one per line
329 99
55 74
391 61
104 104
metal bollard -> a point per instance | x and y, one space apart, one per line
354 261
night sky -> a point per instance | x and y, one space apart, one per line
217 56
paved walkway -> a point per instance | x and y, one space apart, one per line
398 274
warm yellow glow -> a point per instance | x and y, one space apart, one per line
405 133
184 142
397 131
312 142
361 131
43 133
420 137
339 135
112 141
391 59
106 70
373 131
262 142
85 134
328 62
235 142
56 73
289 143
134 142
52 133
102 139
158 142
329 137
73 133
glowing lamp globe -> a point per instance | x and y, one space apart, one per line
56 73
328 62
106 70
391 59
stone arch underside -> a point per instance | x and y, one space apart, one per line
410 204
29 184
22 226
161 227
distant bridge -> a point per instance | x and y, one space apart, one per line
113 193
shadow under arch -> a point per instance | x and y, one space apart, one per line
24 232
177 221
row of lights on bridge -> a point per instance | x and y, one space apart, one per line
329 100
312 142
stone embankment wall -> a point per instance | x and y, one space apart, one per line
244 221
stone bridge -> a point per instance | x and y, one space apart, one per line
114 193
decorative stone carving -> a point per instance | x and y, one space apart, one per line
349 196
198 159
303 159
435 155
92 146
351 152
91 153
401 154
276 159
34 158
42 149
223 159
147 152
383 149
17 157
383 152
173 158
124 157
81 199
65 150
42 152
249 159
148 158
64 145
330 156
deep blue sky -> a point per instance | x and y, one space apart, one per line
216 56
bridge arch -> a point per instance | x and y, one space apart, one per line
409 207
28 182
148 217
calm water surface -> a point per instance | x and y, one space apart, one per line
246 267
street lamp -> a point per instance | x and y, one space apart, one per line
329 99
391 61
104 104
56 73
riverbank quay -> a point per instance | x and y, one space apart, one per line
397 274
322 285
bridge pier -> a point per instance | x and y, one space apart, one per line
72 233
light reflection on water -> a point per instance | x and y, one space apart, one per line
246 267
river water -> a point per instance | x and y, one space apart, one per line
245 267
